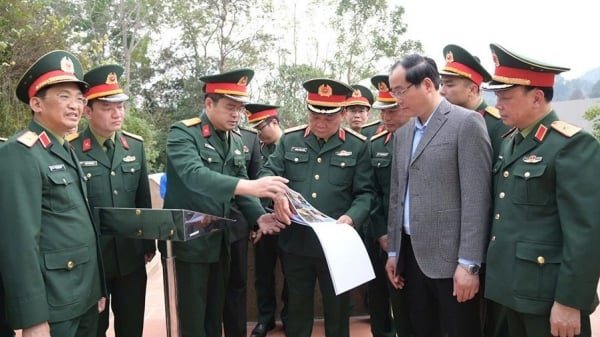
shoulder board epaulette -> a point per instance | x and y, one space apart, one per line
296 128
379 135
492 110
248 129
71 137
191 121
133 135
2 139
565 129
28 138
356 134
509 132
371 123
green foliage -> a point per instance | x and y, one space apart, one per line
593 114
135 123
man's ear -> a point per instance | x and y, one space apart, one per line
35 103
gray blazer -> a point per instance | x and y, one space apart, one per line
450 190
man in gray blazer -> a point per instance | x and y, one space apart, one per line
439 204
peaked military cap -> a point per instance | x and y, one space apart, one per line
461 63
384 99
512 69
104 83
58 66
361 95
258 113
326 96
232 84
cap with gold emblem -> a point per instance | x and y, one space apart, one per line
104 83
460 62
384 99
259 113
512 69
58 66
233 84
361 95
326 96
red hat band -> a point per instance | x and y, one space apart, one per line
385 96
103 90
255 117
523 77
50 77
332 100
463 70
226 88
357 101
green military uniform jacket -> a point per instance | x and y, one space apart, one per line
545 232
49 256
202 174
122 183
382 151
495 127
370 129
335 179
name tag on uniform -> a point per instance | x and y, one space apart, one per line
208 146
532 159
129 159
343 153
382 154
88 163
299 149
57 167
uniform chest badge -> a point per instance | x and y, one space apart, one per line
129 159
382 154
343 153
299 149
57 167
532 159
237 152
86 163
208 146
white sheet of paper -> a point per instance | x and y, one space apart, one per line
346 255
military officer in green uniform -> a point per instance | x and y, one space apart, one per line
50 260
206 172
542 259
5 329
114 163
264 118
358 110
387 306
462 76
329 166
234 310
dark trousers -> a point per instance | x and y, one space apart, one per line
266 253
5 329
529 325
200 297
301 274
234 309
384 299
85 325
127 299
433 310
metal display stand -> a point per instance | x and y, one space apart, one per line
166 225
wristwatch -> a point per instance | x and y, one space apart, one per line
473 269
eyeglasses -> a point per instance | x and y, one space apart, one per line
66 99
397 93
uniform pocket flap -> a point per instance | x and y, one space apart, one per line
529 171
380 162
539 253
343 161
296 157
66 259
131 168
61 178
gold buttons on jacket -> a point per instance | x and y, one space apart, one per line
138 211
314 195
89 175
113 173
527 174
296 160
505 174
343 164
210 160
115 192
493 238
541 260
501 195
139 232
497 216
70 265
319 160
317 177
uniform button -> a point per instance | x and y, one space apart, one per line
527 174
64 181
317 177
115 192
85 179
138 211
343 164
113 173
89 175
494 238
296 160
132 170
541 260
70 265
378 164
314 195
497 216
319 160
210 160
139 232
171 232
501 195
505 174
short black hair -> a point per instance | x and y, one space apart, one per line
419 67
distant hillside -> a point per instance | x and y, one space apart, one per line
591 76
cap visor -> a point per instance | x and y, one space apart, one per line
495 86
241 99
114 98
383 105
323 109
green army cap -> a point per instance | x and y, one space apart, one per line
461 63
326 96
232 84
512 69
58 66
384 99
258 113
361 95
104 83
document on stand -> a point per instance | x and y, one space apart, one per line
346 255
